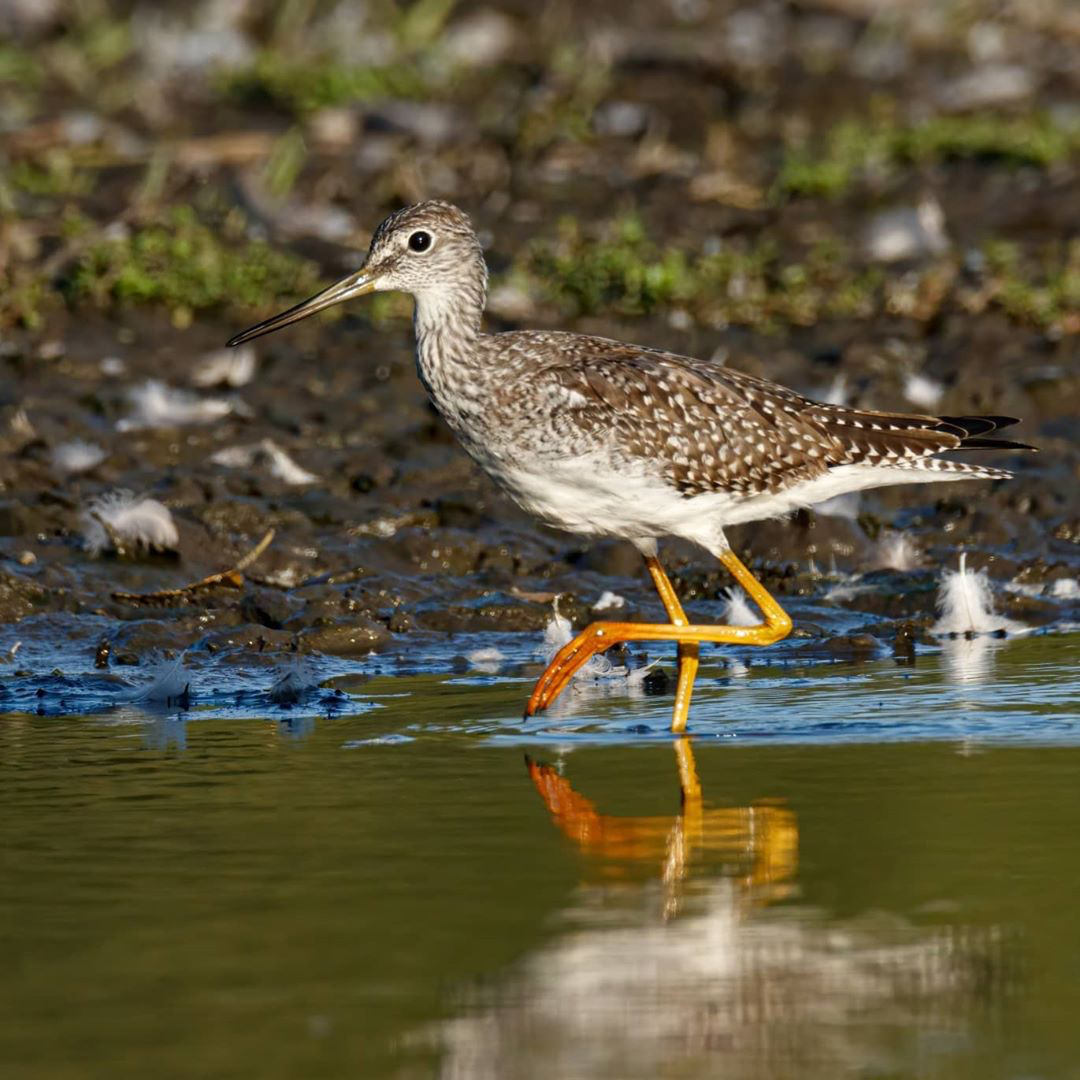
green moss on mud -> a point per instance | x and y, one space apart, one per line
24 298
303 86
623 270
1044 291
18 66
55 176
184 264
618 269
855 149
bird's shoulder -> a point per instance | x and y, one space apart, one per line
604 371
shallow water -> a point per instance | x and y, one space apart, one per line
879 878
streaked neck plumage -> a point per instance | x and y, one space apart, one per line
447 321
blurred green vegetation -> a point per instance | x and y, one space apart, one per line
619 268
302 81
853 150
25 297
189 263
184 264
1046 294
532 115
622 269
303 86
18 66
53 175
564 109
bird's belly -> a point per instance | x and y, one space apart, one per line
580 495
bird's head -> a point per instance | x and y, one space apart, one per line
429 250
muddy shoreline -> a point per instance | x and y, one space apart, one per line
712 210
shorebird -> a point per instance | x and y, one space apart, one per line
602 438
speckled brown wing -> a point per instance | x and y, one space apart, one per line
706 427
710 428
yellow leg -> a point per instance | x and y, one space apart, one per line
688 650
601 636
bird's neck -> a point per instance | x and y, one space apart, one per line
447 320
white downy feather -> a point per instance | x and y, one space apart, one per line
487 661
225 367
737 609
136 520
294 683
1065 589
895 551
609 601
966 604
837 392
923 391
266 453
599 668
76 456
168 684
155 405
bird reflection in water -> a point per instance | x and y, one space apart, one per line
731 977
758 844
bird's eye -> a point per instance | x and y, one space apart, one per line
420 241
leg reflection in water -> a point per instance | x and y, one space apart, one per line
674 958
758 844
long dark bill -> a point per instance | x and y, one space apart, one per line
356 284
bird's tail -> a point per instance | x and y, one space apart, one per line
908 441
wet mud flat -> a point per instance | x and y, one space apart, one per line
730 202
393 553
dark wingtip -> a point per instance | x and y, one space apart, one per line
979 425
995 444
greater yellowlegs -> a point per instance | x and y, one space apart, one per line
606 439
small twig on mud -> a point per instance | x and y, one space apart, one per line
534 597
234 576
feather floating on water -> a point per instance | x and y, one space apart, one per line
966 604
609 601
168 684
298 679
1065 589
559 632
486 660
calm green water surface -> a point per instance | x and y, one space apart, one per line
226 897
